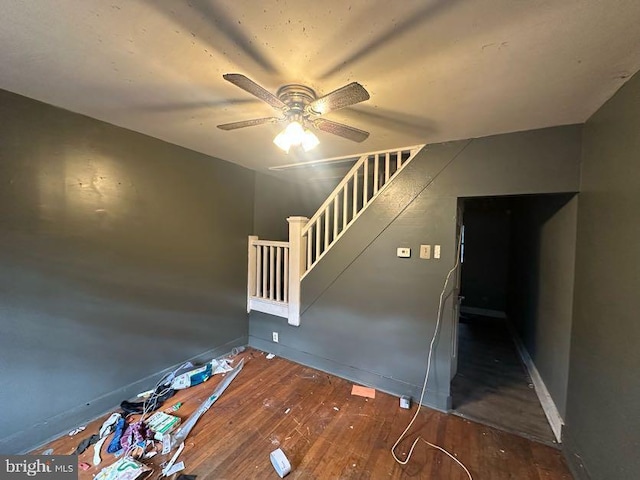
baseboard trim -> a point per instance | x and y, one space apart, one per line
548 405
39 434
485 312
573 457
433 399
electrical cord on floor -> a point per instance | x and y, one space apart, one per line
426 379
150 403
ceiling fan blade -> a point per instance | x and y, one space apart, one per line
254 89
341 130
343 97
248 123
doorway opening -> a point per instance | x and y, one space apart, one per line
514 323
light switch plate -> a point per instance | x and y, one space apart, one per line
404 252
425 251
436 251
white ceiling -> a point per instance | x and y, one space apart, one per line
436 70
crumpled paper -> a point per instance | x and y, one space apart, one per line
221 366
124 469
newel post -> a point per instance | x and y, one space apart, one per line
251 271
297 260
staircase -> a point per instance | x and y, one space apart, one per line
276 269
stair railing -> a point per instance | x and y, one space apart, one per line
276 269
268 277
360 186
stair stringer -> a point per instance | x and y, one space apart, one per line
385 208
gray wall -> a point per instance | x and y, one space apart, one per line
120 256
369 315
372 322
541 284
535 161
603 422
276 199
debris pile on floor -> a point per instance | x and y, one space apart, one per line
142 431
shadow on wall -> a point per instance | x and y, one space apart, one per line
529 218
484 273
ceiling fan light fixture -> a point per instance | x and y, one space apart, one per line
295 134
301 109
282 142
310 141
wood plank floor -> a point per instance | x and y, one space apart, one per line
492 385
329 434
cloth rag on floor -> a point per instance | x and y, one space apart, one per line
114 446
107 427
135 434
109 424
84 444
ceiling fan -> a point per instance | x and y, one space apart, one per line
300 108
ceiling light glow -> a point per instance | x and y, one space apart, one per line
296 134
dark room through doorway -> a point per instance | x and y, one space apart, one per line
515 312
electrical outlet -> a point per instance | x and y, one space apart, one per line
425 252
403 252
275 336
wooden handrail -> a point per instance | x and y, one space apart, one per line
270 243
335 191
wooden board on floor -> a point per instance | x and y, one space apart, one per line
328 433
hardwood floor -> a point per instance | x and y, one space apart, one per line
327 433
492 385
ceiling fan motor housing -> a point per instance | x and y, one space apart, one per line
296 97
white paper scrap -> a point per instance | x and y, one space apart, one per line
76 431
221 366
176 468
166 443
173 459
